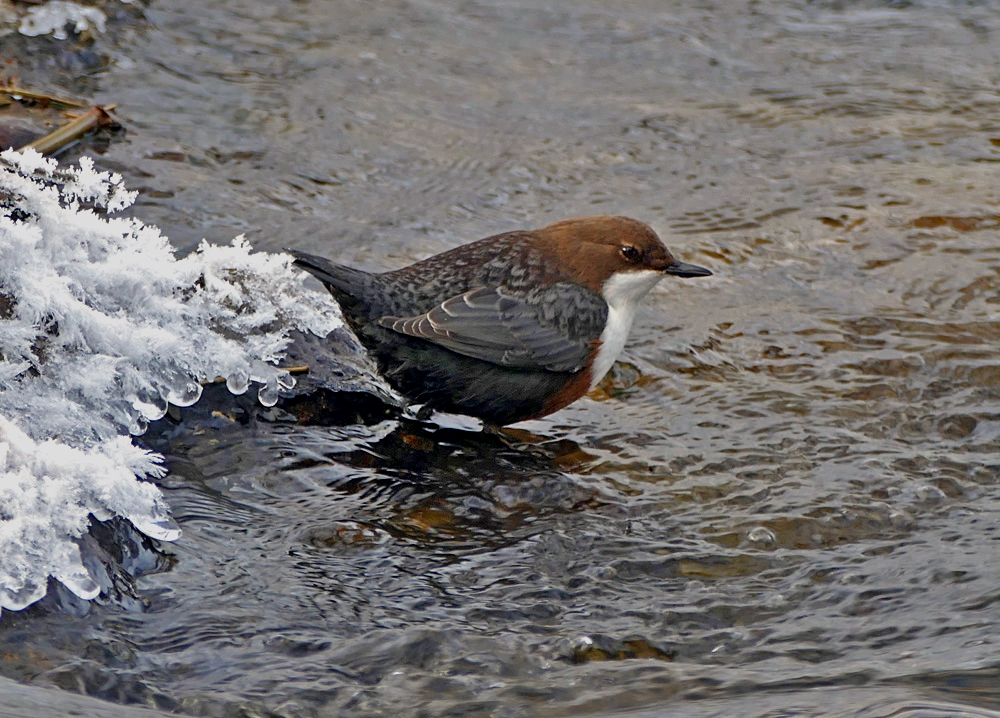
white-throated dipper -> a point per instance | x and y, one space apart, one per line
511 327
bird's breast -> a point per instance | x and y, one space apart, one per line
611 343
623 292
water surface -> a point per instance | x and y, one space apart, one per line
785 500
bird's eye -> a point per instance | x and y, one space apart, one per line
630 253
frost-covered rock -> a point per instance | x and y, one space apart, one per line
55 15
47 492
101 326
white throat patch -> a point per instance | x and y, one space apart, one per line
622 291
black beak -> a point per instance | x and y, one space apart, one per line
683 269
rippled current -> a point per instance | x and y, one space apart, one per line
785 500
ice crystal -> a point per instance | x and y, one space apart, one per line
101 327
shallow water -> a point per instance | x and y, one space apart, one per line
786 498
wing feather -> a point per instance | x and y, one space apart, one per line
486 324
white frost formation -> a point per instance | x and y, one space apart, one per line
55 15
47 492
100 327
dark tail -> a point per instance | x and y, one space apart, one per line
339 279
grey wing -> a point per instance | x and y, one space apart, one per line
487 324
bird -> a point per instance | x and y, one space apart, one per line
511 327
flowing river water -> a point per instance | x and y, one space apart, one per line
785 500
